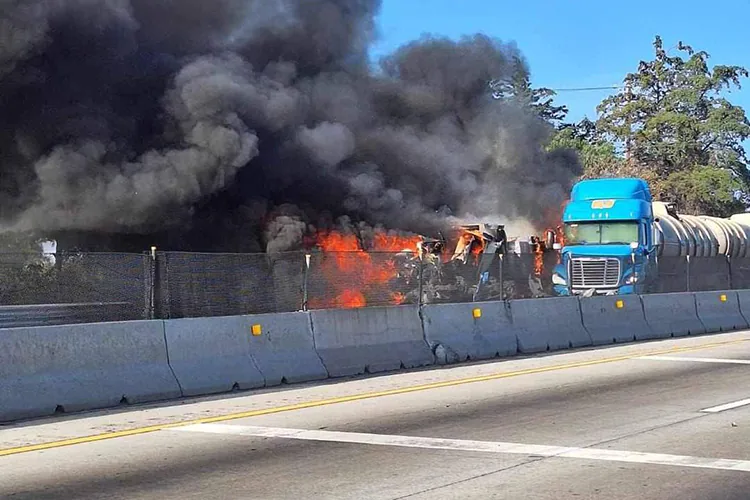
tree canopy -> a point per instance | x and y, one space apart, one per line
672 125
518 90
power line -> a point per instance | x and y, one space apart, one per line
498 86
585 89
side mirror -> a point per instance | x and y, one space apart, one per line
556 246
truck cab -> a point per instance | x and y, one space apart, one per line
609 243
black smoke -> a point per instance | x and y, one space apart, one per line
240 124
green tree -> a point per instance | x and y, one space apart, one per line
677 129
706 190
517 89
598 156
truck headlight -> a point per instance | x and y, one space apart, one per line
631 280
558 280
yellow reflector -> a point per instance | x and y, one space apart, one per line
600 204
477 313
619 304
257 330
723 298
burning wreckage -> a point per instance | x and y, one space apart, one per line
484 265
477 262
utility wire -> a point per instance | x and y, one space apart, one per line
585 89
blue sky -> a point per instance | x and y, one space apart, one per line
580 43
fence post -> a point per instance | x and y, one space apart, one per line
148 286
501 260
420 286
306 274
151 283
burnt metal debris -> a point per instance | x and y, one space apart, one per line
484 265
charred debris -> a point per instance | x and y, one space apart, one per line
475 262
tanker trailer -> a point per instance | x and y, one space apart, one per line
680 235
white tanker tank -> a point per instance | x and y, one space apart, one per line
701 236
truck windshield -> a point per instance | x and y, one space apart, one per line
601 233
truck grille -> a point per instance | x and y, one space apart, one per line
594 272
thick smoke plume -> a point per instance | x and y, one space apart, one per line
240 124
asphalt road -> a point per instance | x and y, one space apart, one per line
603 424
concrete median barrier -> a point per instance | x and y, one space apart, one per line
548 324
672 315
720 311
283 348
370 340
614 319
212 355
44 370
457 332
744 300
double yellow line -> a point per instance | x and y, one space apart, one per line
355 397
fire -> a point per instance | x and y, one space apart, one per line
556 220
478 248
470 242
354 274
350 299
560 235
554 234
337 242
538 247
393 243
398 298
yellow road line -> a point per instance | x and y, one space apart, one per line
355 397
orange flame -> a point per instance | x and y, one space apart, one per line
349 299
398 298
538 258
560 235
478 247
554 218
389 243
355 274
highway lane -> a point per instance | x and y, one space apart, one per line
604 423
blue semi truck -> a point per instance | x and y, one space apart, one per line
614 235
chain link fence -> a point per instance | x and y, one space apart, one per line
201 285
90 287
73 287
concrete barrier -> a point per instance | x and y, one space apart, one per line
614 319
549 324
212 355
720 311
283 348
370 340
44 370
744 300
672 315
469 331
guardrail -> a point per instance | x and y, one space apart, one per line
44 370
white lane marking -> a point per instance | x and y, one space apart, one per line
728 406
698 360
468 445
